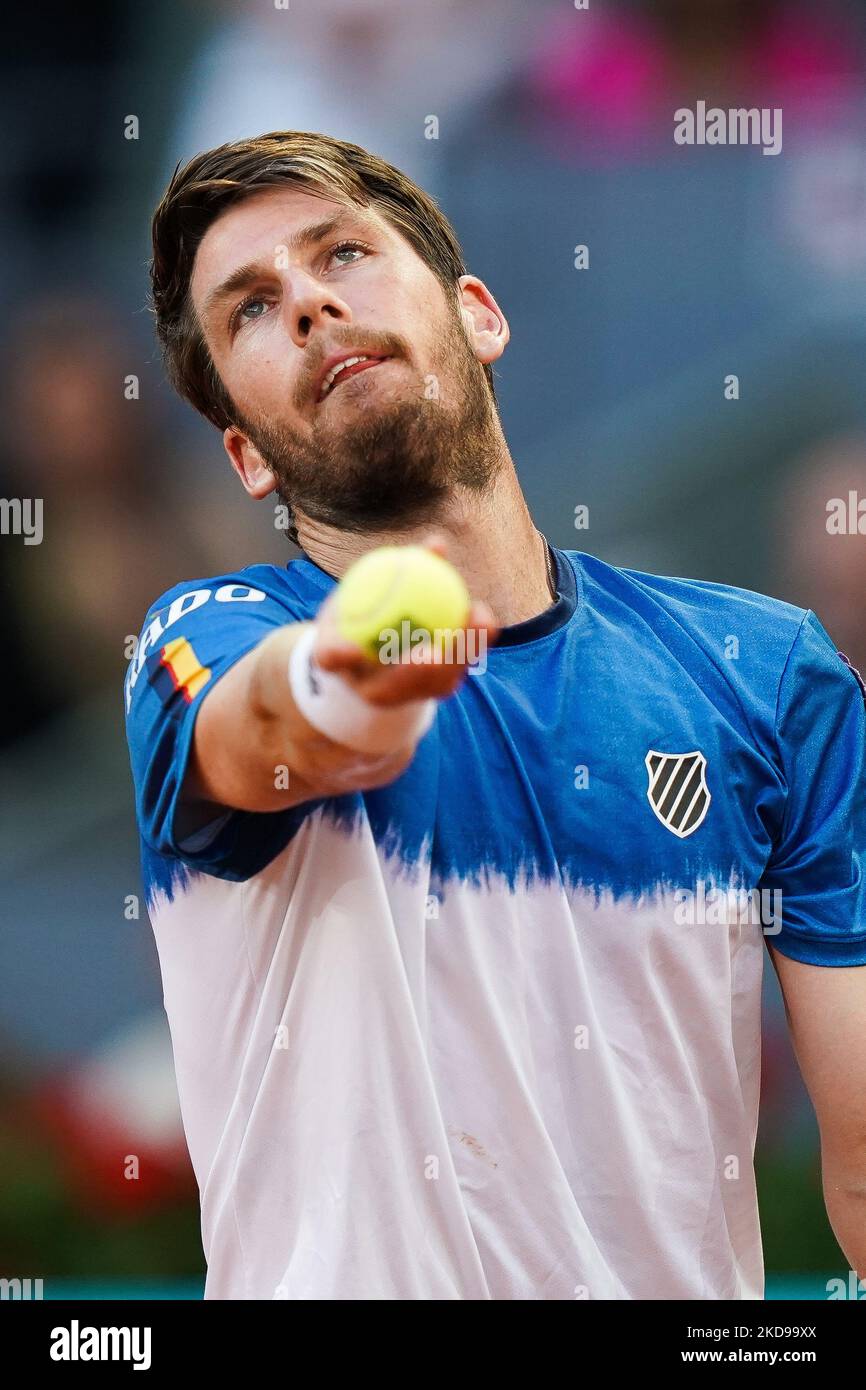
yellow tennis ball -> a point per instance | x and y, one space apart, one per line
403 590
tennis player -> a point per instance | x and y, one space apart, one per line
462 964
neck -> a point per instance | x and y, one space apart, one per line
490 538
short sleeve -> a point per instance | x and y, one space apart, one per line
190 638
817 861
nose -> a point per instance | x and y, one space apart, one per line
308 305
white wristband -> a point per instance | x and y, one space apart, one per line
335 709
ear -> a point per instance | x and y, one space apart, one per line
257 478
484 321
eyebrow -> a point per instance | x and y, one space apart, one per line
247 274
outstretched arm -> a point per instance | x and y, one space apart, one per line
250 723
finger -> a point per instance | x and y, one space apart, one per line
437 542
482 619
411 680
338 654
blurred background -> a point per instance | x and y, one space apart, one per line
553 130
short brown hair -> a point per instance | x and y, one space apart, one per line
211 182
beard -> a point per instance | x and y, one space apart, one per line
397 464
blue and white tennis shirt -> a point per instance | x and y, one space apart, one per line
493 1031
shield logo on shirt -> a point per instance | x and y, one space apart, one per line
678 791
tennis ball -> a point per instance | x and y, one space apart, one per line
396 585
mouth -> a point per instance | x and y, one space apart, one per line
348 366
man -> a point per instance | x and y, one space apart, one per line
472 1012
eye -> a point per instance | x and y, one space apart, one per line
239 314
344 246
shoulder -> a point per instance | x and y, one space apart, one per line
222 616
290 585
705 612
740 650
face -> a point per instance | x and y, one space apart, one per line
287 284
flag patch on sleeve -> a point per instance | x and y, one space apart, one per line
176 670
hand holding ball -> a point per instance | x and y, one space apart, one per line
397 585
393 599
